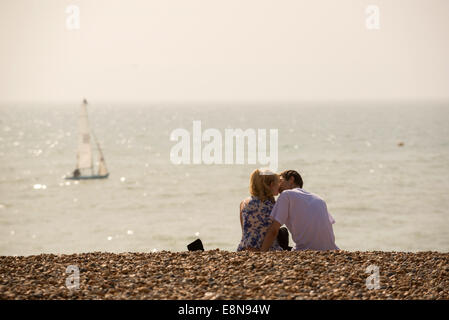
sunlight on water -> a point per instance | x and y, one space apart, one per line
381 169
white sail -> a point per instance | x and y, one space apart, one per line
84 156
102 168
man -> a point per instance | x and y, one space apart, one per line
76 173
305 215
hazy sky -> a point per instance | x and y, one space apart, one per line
223 50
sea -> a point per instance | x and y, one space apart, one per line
382 169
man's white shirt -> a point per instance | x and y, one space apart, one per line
306 217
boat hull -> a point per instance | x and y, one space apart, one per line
87 177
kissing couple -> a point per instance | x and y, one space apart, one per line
303 213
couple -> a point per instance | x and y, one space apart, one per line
305 215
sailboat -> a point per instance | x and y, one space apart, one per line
84 155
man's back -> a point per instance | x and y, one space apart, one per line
306 216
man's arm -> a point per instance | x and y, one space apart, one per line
272 233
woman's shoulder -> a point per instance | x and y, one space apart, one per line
245 201
255 203
250 201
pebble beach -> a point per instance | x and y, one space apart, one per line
223 275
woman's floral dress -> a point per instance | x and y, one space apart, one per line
256 221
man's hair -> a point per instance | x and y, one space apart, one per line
287 174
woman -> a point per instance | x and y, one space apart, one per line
255 211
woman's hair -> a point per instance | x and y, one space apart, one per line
259 184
